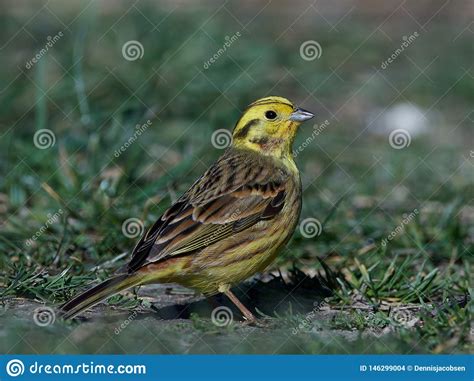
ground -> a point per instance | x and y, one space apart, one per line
382 259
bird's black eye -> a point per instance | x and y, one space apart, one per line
270 114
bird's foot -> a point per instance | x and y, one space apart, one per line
258 323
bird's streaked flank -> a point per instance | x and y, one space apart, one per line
232 221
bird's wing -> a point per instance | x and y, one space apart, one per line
238 191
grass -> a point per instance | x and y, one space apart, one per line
409 295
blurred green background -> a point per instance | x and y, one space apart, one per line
63 201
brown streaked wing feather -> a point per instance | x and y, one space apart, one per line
235 193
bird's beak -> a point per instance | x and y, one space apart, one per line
300 115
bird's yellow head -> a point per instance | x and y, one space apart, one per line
269 126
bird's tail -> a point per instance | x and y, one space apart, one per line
100 292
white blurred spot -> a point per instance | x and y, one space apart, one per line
402 116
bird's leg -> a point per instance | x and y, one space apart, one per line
247 314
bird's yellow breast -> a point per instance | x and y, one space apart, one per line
241 256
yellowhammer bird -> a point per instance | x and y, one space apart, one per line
232 221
